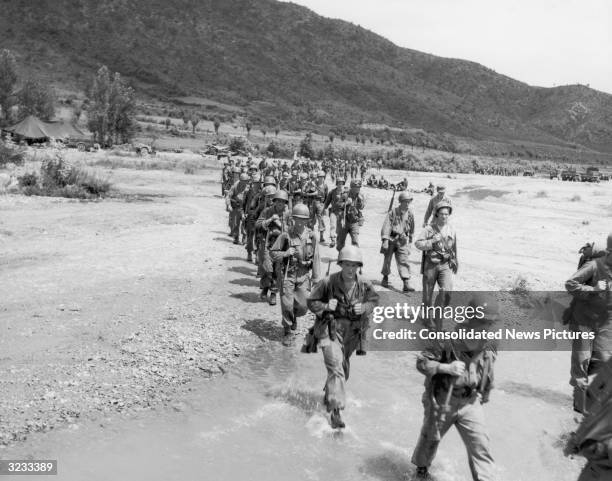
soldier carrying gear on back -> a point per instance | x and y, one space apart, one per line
297 253
352 204
459 378
273 221
350 299
396 234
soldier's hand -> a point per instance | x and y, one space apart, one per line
332 304
290 252
601 286
436 238
358 308
456 368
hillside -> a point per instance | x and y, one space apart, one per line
282 61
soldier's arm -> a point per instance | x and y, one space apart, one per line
277 251
428 361
577 285
259 223
385 232
318 298
424 243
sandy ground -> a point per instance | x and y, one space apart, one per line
116 305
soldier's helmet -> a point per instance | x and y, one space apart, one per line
286 175
320 173
244 176
405 196
444 204
441 188
269 180
356 183
488 305
303 176
269 190
282 195
340 180
300 211
350 253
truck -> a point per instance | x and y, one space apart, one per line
571 175
591 175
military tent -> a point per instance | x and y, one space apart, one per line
35 130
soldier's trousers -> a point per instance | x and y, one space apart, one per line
467 415
352 229
317 215
268 271
336 356
401 250
250 234
442 275
588 357
293 298
236 223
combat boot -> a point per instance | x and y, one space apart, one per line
249 257
336 419
385 281
407 286
422 472
332 243
272 300
294 325
264 294
321 238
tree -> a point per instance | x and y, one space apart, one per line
168 122
276 131
306 149
331 137
264 132
217 124
112 107
248 128
185 121
37 99
195 120
8 79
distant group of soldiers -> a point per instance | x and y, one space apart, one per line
278 213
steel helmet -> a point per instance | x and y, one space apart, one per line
444 203
244 176
269 180
350 253
300 211
269 190
405 196
303 176
320 173
286 175
486 304
340 180
282 195
355 183
441 188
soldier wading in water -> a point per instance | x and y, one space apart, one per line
343 303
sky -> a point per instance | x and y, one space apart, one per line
544 43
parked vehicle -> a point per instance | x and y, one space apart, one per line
591 175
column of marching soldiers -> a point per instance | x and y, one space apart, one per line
276 210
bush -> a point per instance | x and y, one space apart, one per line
11 153
576 198
541 194
238 143
59 179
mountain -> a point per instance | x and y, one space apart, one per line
283 61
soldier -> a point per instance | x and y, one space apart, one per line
349 299
273 221
251 208
459 378
396 234
351 219
591 288
439 197
234 202
297 253
283 184
226 177
318 203
438 241
334 201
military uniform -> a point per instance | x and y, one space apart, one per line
439 197
591 313
397 231
350 331
272 229
318 210
351 218
334 201
295 271
234 201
